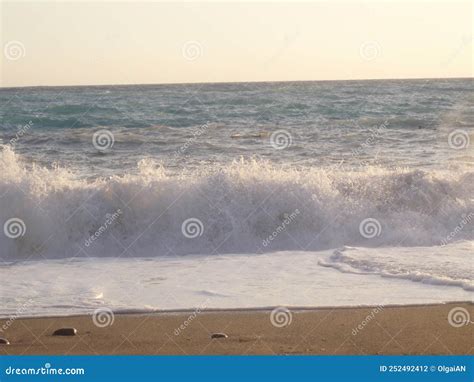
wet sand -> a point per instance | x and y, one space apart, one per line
378 330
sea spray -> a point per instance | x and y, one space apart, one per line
240 206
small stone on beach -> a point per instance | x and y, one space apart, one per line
218 335
4 341
65 332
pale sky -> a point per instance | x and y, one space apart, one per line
85 43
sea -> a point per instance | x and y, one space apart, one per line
145 198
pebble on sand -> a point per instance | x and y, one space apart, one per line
65 332
4 341
219 335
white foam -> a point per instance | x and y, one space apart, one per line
240 206
450 265
73 286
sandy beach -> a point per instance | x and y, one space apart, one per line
411 330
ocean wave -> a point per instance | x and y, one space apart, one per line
448 265
244 207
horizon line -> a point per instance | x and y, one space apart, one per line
233 82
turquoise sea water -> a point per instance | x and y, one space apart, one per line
392 123
362 183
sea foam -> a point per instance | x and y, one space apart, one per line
237 208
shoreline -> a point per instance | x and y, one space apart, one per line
262 309
415 330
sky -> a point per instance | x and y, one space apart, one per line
103 42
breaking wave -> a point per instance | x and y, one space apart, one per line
236 208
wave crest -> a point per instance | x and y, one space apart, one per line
240 207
